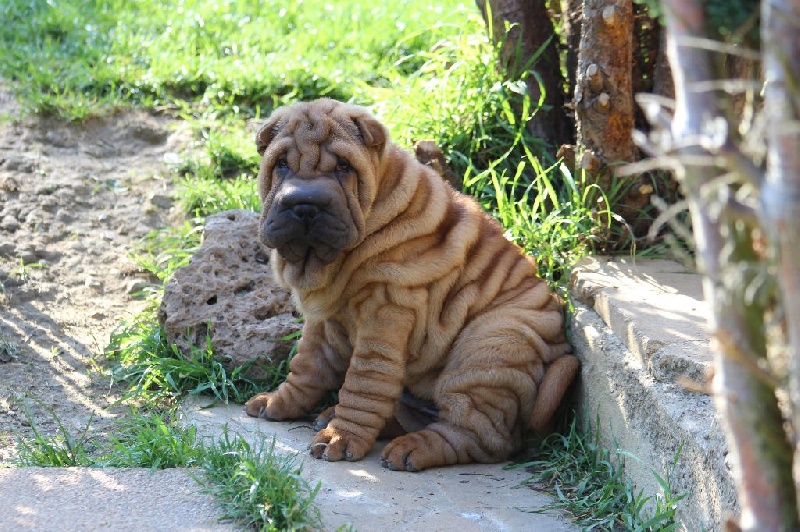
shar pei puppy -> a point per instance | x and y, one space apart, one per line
411 296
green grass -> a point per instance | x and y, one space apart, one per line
152 440
589 482
230 57
62 449
156 372
258 487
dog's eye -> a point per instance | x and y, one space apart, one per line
343 167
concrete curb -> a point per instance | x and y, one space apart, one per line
639 329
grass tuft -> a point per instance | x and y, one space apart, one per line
157 371
259 489
589 482
63 449
152 440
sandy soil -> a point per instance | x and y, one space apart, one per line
74 201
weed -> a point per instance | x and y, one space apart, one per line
589 482
150 440
259 488
23 271
157 371
8 350
61 450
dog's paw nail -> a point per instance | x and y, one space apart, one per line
318 450
407 463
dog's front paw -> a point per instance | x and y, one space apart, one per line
333 445
271 406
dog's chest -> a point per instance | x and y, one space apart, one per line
423 344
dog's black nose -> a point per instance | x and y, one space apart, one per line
305 199
305 211
309 195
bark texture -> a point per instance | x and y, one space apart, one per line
603 92
604 108
528 39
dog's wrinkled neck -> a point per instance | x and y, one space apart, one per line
307 279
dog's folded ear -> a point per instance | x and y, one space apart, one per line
373 133
267 133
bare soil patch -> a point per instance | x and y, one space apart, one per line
74 201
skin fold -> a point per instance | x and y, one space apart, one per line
408 289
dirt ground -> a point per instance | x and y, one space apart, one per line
74 201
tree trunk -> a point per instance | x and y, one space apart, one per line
604 106
744 396
528 39
781 189
603 93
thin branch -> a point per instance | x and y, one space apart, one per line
736 349
647 98
655 109
665 162
741 211
731 86
741 165
719 47
668 213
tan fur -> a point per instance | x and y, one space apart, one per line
420 291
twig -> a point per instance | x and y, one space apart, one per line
745 356
719 47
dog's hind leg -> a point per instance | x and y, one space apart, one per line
485 397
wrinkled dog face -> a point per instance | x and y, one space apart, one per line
317 163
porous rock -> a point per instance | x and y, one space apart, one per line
227 293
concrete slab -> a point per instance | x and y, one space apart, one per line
368 497
88 499
639 328
655 307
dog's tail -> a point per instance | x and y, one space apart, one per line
557 379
